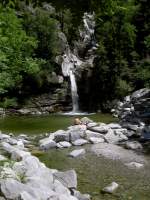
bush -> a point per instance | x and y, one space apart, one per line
123 88
9 102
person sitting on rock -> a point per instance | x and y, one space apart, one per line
77 121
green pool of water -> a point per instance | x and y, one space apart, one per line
94 173
43 124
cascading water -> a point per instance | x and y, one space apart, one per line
71 60
74 92
68 66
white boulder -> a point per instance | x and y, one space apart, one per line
111 187
95 140
76 153
80 142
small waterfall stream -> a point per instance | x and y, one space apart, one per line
74 92
68 66
71 60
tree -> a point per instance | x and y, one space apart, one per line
16 49
116 35
41 24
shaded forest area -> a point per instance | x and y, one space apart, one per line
29 45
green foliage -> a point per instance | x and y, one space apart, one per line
39 23
116 35
65 18
143 73
16 49
123 88
147 42
9 102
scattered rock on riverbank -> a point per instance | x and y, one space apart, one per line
111 187
77 152
25 177
82 134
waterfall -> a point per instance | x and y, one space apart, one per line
74 92
68 65
71 62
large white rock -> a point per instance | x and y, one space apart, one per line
61 135
80 142
86 120
59 188
100 129
122 131
133 145
74 136
16 154
7 172
4 136
130 126
47 144
140 93
25 196
44 140
76 132
33 167
76 153
2 158
114 126
20 144
95 140
80 196
90 134
63 144
38 187
115 136
111 187
23 136
12 141
67 178
11 188
92 124
126 109
7 147
19 154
